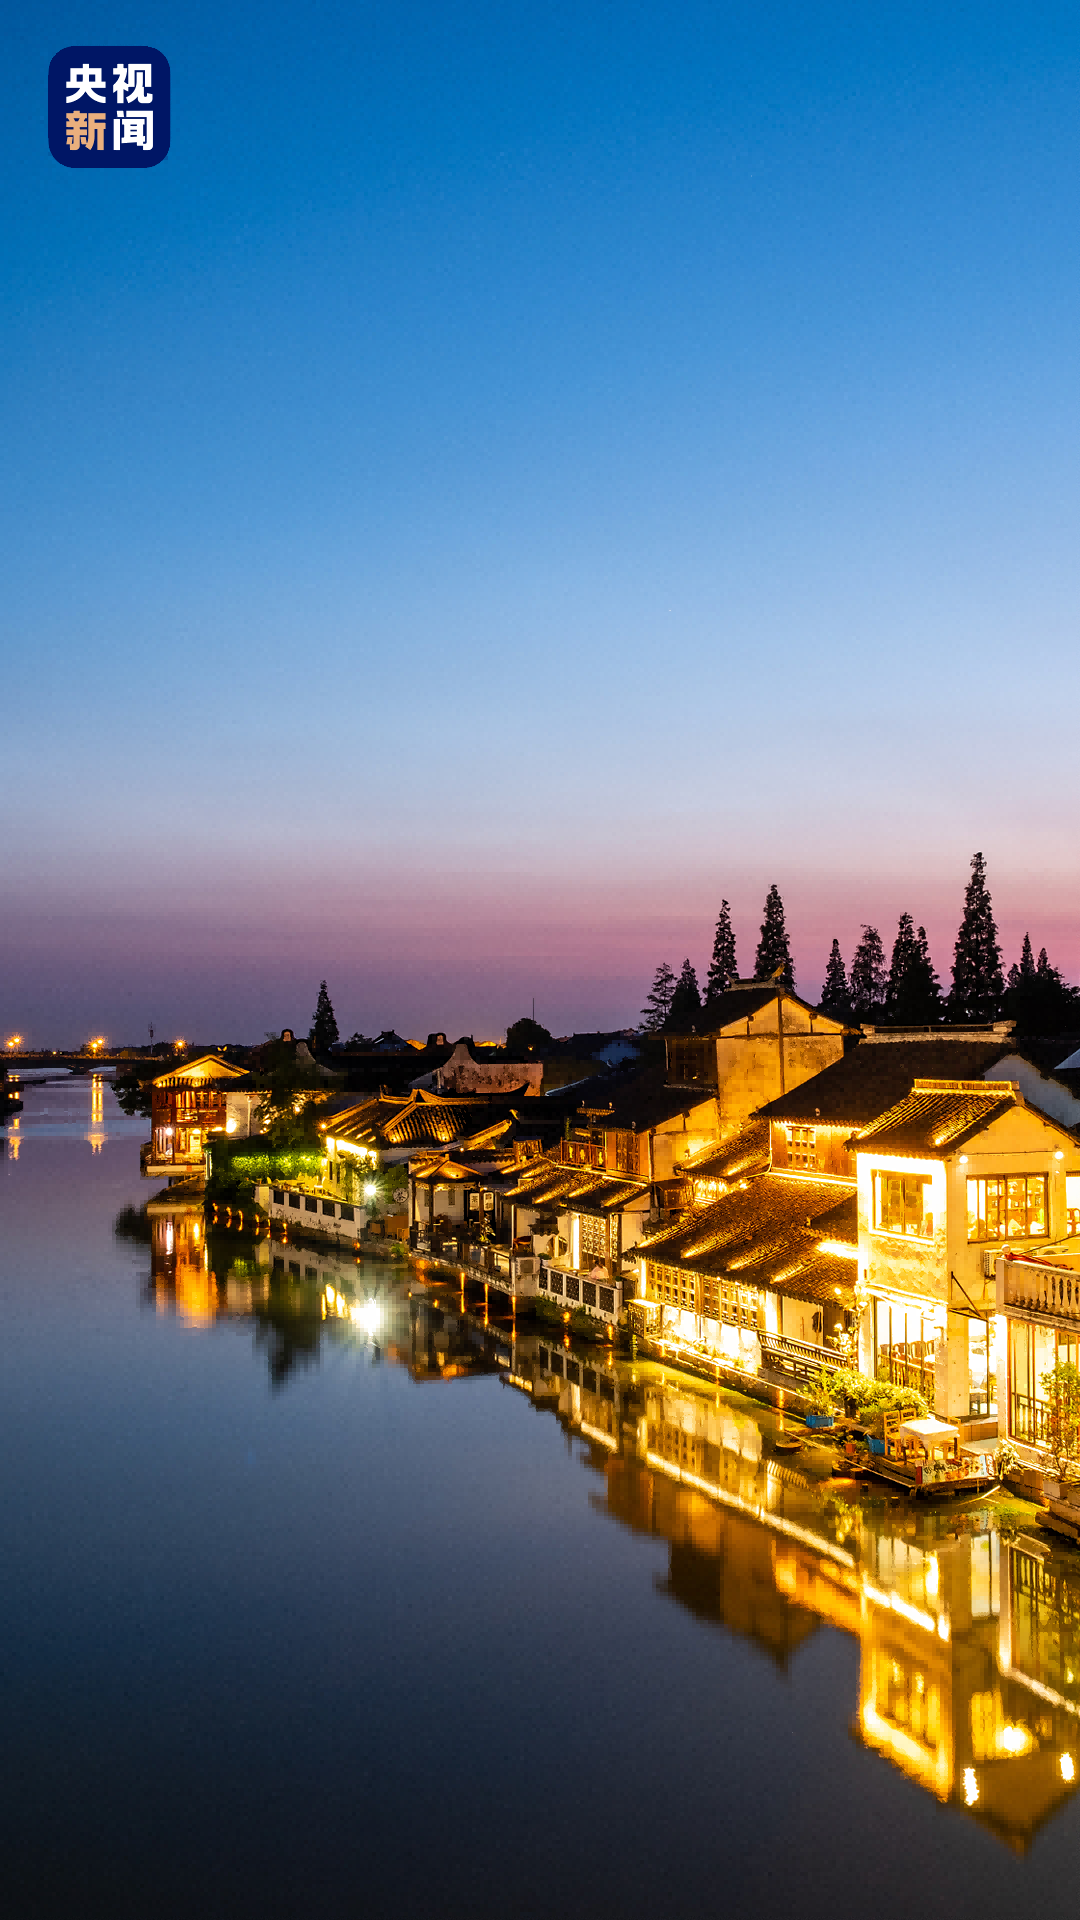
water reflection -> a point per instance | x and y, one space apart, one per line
969 1635
298 1297
97 1135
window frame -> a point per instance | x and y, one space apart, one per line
977 1234
923 1233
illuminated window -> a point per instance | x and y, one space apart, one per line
1008 1206
1072 1201
802 1147
900 1205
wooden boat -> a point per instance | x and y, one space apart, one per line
923 1456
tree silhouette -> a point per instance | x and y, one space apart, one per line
722 965
835 993
658 1005
912 991
685 1009
324 1029
1037 996
773 957
978 986
527 1036
868 975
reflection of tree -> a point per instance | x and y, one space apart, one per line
288 1327
133 1223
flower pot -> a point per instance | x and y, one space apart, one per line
1051 1487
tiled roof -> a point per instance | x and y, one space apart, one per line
746 1152
637 1104
875 1075
769 1233
584 1189
937 1116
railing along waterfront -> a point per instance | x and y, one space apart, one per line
1053 1291
797 1357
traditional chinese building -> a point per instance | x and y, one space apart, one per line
191 1102
946 1177
761 1042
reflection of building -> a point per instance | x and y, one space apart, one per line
969 1673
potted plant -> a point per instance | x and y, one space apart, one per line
819 1392
1061 1387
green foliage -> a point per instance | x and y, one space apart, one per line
872 1396
236 1165
773 958
1061 1388
527 1036
978 985
1006 1459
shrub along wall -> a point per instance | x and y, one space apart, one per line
235 1165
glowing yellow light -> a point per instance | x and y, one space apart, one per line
1015 1740
15 1040
971 1786
1068 1770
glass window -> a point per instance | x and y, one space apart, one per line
900 1204
1072 1201
1007 1207
802 1147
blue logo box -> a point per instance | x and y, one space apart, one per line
109 107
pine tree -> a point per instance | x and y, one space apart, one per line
685 1010
722 965
835 994
1037 996
868 975
658 1005
912 992
978 985
773 957
324 1028
1018 975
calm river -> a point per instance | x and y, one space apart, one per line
321 1598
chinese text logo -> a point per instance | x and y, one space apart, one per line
109 107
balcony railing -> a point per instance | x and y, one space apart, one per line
1051 1291
797 1358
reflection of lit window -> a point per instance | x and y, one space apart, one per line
971 1787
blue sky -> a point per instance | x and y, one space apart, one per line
515 474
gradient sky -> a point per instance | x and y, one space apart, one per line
516 473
